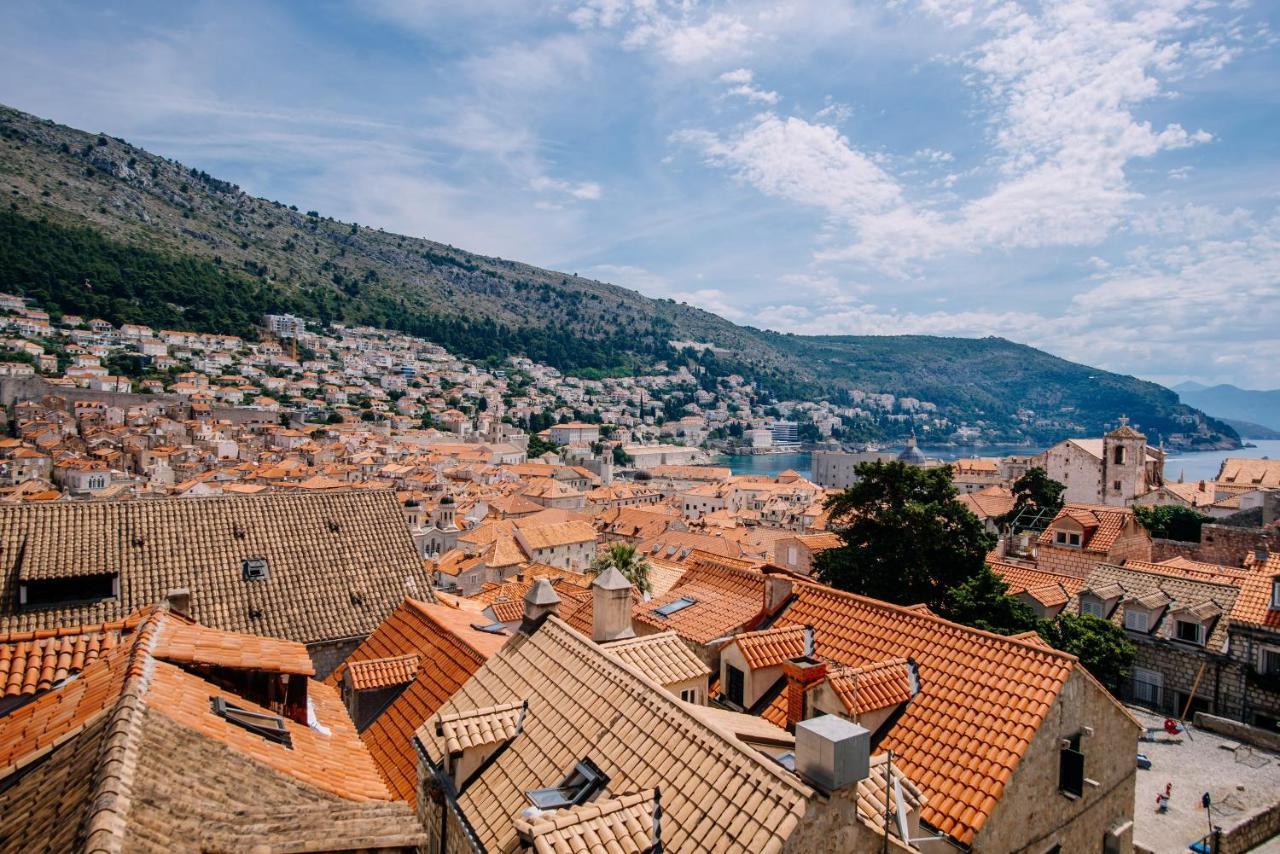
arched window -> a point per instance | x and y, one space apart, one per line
1119 456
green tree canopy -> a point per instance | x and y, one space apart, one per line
539 446
1037 490
622 556
1102 646
1172 522
906 537
983 602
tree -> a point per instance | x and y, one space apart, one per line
906 537
1172 522
1102 646
622 557
983 602
621 457
1035 489
539 446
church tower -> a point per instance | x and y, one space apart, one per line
1124 465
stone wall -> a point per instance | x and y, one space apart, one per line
327 655
1221 544
1033 814
832 826
1249 834
1238 731
1220 684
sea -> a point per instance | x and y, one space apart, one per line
1201 465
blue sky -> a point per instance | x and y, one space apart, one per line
1095 178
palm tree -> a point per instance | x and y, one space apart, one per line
623 557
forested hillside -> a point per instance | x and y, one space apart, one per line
96 226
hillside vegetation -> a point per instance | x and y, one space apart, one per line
99 227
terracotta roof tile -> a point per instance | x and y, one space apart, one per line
449 650
872 687
982 696
663 657
718 793
373 673
337 562
771 647
622 825
478 727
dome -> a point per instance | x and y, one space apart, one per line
911 454
448 499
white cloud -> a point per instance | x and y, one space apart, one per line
812 164
742 77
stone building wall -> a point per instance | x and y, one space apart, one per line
832 826
1260 696
1033 815
327 655
1220 684
1221 544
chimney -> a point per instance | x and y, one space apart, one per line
179 600
801 673
777 590
539 603
611 607
1260 555
832 753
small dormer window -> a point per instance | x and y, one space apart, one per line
1091 607
270 727
1136 620
1189 631
254 568
583 782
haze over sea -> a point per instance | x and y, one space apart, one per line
1190 466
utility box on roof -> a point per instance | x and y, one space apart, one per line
832 752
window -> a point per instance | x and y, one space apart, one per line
689 695
1071 767
734 685
584 781
1115 486
1135 620
1269 661
53 592
1061 538
270 727
1073 539
1275 592
1091 606
1119 456
1148 686
678 605
1190 632
254 568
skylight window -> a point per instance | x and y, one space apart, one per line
270 727
491 628
582 783
254 568
678 605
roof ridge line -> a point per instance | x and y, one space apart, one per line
117 755
729 738
929 615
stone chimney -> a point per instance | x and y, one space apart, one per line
539 603
801 673
777 590
611 607
179 600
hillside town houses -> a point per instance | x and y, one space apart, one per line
329 563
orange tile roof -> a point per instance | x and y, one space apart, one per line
982 697
126 704
726 600
771 647
1020 578
31 662
449 651
1253 605
190 643
875 686
1102 525
375 673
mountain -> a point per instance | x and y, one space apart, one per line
1249 430
1238 404
98 227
